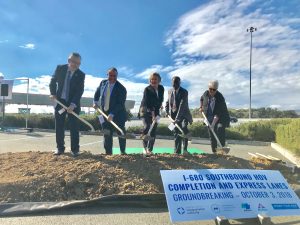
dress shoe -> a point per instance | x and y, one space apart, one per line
75 154
185 152
145 151
57 152
149 152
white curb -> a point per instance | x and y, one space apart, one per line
286 153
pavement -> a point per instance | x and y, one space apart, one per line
123 216
45 141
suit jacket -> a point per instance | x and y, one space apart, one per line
151 102
220 108
182 105
76 84
116 102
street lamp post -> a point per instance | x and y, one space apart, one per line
27 96
251 30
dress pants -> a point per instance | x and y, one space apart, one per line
60 128
147 121
108 137
177 138
220 132
180 140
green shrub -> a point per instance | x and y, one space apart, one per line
234 135
198 129
162 129
45 121
263 130
288 136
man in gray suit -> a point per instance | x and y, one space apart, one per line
178 108
67 86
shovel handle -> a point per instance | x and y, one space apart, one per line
112 122
74 114
152 125
178 127
212 130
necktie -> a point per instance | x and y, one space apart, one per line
174 108
107 98
68 85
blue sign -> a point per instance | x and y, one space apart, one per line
206 194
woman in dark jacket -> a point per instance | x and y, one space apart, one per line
213 104
149 110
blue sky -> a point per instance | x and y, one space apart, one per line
197 40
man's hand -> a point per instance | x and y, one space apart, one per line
201 109
110 117
95 106
71 108
176 121
52 97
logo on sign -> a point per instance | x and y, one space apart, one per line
284 206
261 207
180 210
215 208
194 210
246 207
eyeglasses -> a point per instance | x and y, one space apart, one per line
212 89
74 62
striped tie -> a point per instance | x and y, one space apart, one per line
107 98
67 87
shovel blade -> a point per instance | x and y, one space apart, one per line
130 136
147 138
224 150
187 136
127 136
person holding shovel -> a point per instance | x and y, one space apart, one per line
67 86
110 97
213 105
177 108
151 104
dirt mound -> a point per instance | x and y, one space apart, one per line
40 176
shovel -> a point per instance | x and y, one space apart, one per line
187 136
126 136
74 114
220 147
147 137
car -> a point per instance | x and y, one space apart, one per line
233 119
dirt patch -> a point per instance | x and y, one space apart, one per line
40 176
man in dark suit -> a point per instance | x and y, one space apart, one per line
178 108
213 104
110 96
67 86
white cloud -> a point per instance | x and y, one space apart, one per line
28 46
211 42
40 85
3 41
154 68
